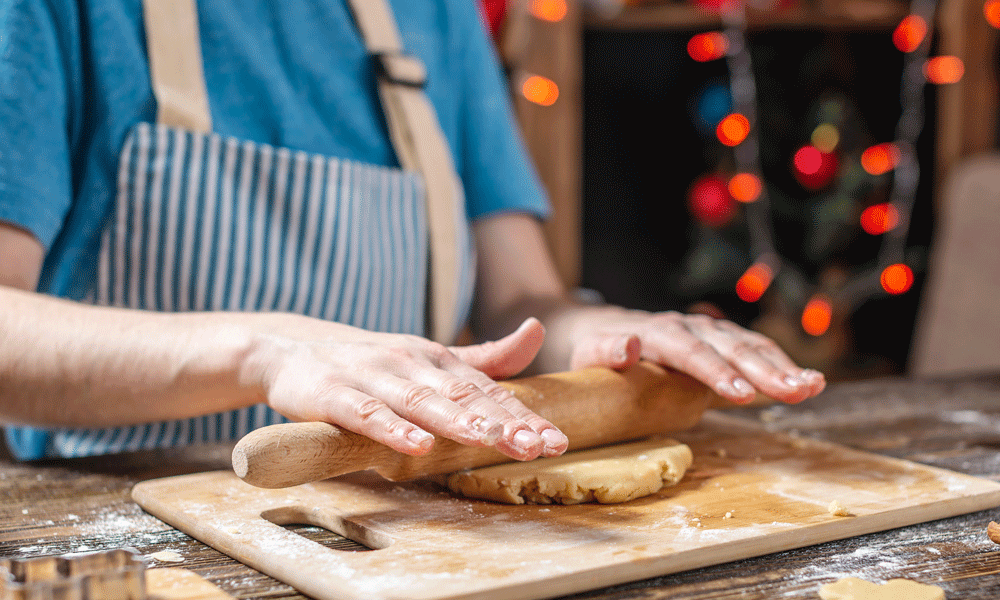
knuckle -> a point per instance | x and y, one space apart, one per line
765 344
743 349
496 391
457 389
415 396
701 320
728 326
668 321
400 353
398 428
438 353
699 346
367 409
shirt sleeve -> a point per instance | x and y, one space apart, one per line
497 169
39 45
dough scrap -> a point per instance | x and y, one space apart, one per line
167 556
838 510
852 588
607 475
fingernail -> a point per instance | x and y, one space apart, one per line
726 388
554 439
526 440
421 439
810 374
793 381
489 429
622 354
742 386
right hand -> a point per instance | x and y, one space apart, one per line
401 390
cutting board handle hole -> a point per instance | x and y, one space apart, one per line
295 518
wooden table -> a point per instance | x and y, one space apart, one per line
76 505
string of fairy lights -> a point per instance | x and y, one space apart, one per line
814 164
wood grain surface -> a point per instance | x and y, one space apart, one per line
749 492
59 506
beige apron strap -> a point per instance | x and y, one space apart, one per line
175 64
421 146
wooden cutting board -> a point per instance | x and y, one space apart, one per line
431 545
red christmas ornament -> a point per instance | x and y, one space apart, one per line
813 168
710 202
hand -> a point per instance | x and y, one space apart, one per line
731 360
401 390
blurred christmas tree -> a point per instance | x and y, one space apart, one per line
806 216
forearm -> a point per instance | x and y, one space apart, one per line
517 280
566 322
67 364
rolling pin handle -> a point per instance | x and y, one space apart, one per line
290 454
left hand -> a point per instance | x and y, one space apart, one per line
517 278
731 360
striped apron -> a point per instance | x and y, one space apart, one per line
204 223
207 223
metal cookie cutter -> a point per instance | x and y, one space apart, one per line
110 575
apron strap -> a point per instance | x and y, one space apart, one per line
175 64
421 146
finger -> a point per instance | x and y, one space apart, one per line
476 392
554 442
507 356
613 351
368 416
760 360
815 379
442 409
675 346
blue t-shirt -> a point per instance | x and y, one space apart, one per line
74 79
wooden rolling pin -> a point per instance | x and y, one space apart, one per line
593 407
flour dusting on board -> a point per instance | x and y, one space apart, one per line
102 527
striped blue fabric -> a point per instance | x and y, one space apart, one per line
205 223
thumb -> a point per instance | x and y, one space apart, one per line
614 351
507 356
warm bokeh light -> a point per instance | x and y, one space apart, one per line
733 129
910 33
808 160
896 278
710 202
944 69
812 168
817 314
745 187
548 10
825 137
540 90
714 7
711 45
992 11
880 158
754 282
879 218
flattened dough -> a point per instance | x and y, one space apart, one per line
852 588
607 475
